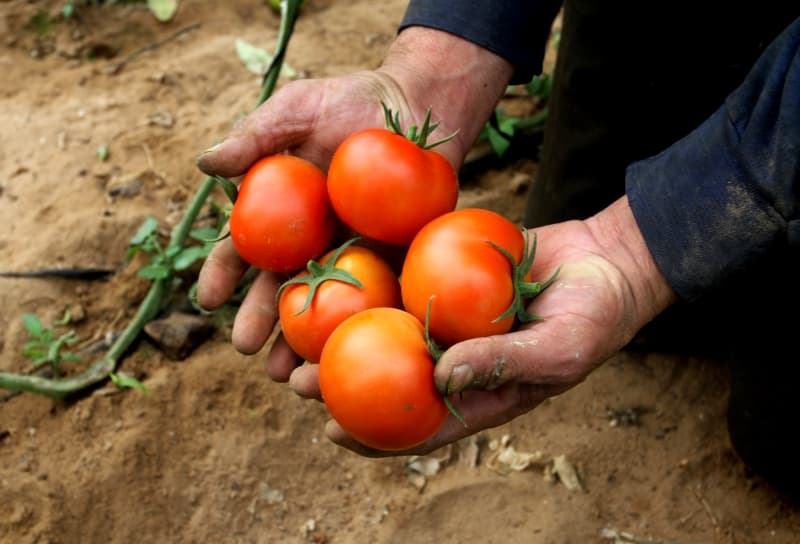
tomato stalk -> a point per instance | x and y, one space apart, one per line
436 353
417 135
320 273
523 289
160 288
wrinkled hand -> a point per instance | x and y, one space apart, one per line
309 119
603 295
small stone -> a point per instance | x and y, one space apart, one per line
178 334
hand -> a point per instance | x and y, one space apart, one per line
310 118
608 288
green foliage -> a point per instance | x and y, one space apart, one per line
163 10
501 128
45 347
122 380
165 261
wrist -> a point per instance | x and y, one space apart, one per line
460 81
616 231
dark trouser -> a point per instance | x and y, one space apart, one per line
631 78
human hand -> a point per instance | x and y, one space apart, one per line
309 118
607 288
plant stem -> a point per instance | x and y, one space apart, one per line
154 300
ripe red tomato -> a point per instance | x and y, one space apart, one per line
386 187
307 328
376 378
472 282
282 216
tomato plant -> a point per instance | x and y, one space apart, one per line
347 280
376 378
282 216
473 267
386 186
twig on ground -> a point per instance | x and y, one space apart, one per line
117 67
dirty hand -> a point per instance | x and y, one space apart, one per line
309 118
608 287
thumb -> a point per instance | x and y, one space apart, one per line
283 121
482 363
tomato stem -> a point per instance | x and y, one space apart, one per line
417 135
523 289
436 353
320 273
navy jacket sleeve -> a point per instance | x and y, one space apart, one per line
725 199
517 30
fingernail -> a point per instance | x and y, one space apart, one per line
210 150
461 377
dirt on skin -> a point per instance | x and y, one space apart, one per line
217 452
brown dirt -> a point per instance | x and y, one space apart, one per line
218 453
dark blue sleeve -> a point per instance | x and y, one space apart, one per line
725 199
516 30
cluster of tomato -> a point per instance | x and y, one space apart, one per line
375 333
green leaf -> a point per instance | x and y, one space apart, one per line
507 125
71 357
497 140
33 325
257 60
189 255
153 272
148 227
68 9
32 350
163 9
123 380
39 361
102 152
204 234
230 189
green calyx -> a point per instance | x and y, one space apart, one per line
436 353
523 290
418 135
320 273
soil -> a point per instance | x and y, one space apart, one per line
218 453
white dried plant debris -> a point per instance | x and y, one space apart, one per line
419 468
567 474
506 458
623 537
469 450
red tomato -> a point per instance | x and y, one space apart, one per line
472 282
282 216
306 330
376 378
386 187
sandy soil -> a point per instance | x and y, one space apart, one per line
218 453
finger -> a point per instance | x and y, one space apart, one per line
483 363
283 121
257 315
281 360
220 274
553 351
305 381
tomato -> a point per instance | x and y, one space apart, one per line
376 378
472 282
282 216
332 298
386 187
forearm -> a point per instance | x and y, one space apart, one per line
460 81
